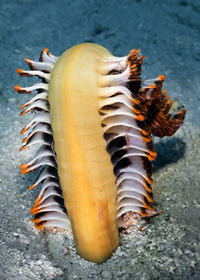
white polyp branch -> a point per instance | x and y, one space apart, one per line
35 87
37 65
120 79
38 73
42 96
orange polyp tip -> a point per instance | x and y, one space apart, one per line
35 208
143 214
149 180
23 166
33 211
20 90
135 101
19 70
35 220
17 88
136 111
22 106
31 187
39 227
150 158
133 51
149 198
153 154
37 200
22 73
164 91
167 97
161 77
23 113
148 188
23 148
36 205
23 130
144 132
146 139
45 50
24 171
29 63
152 86
148 207
140 117
25 140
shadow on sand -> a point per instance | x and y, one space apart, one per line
169 150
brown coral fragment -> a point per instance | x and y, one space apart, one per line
153 103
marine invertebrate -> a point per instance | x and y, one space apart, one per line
95 122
